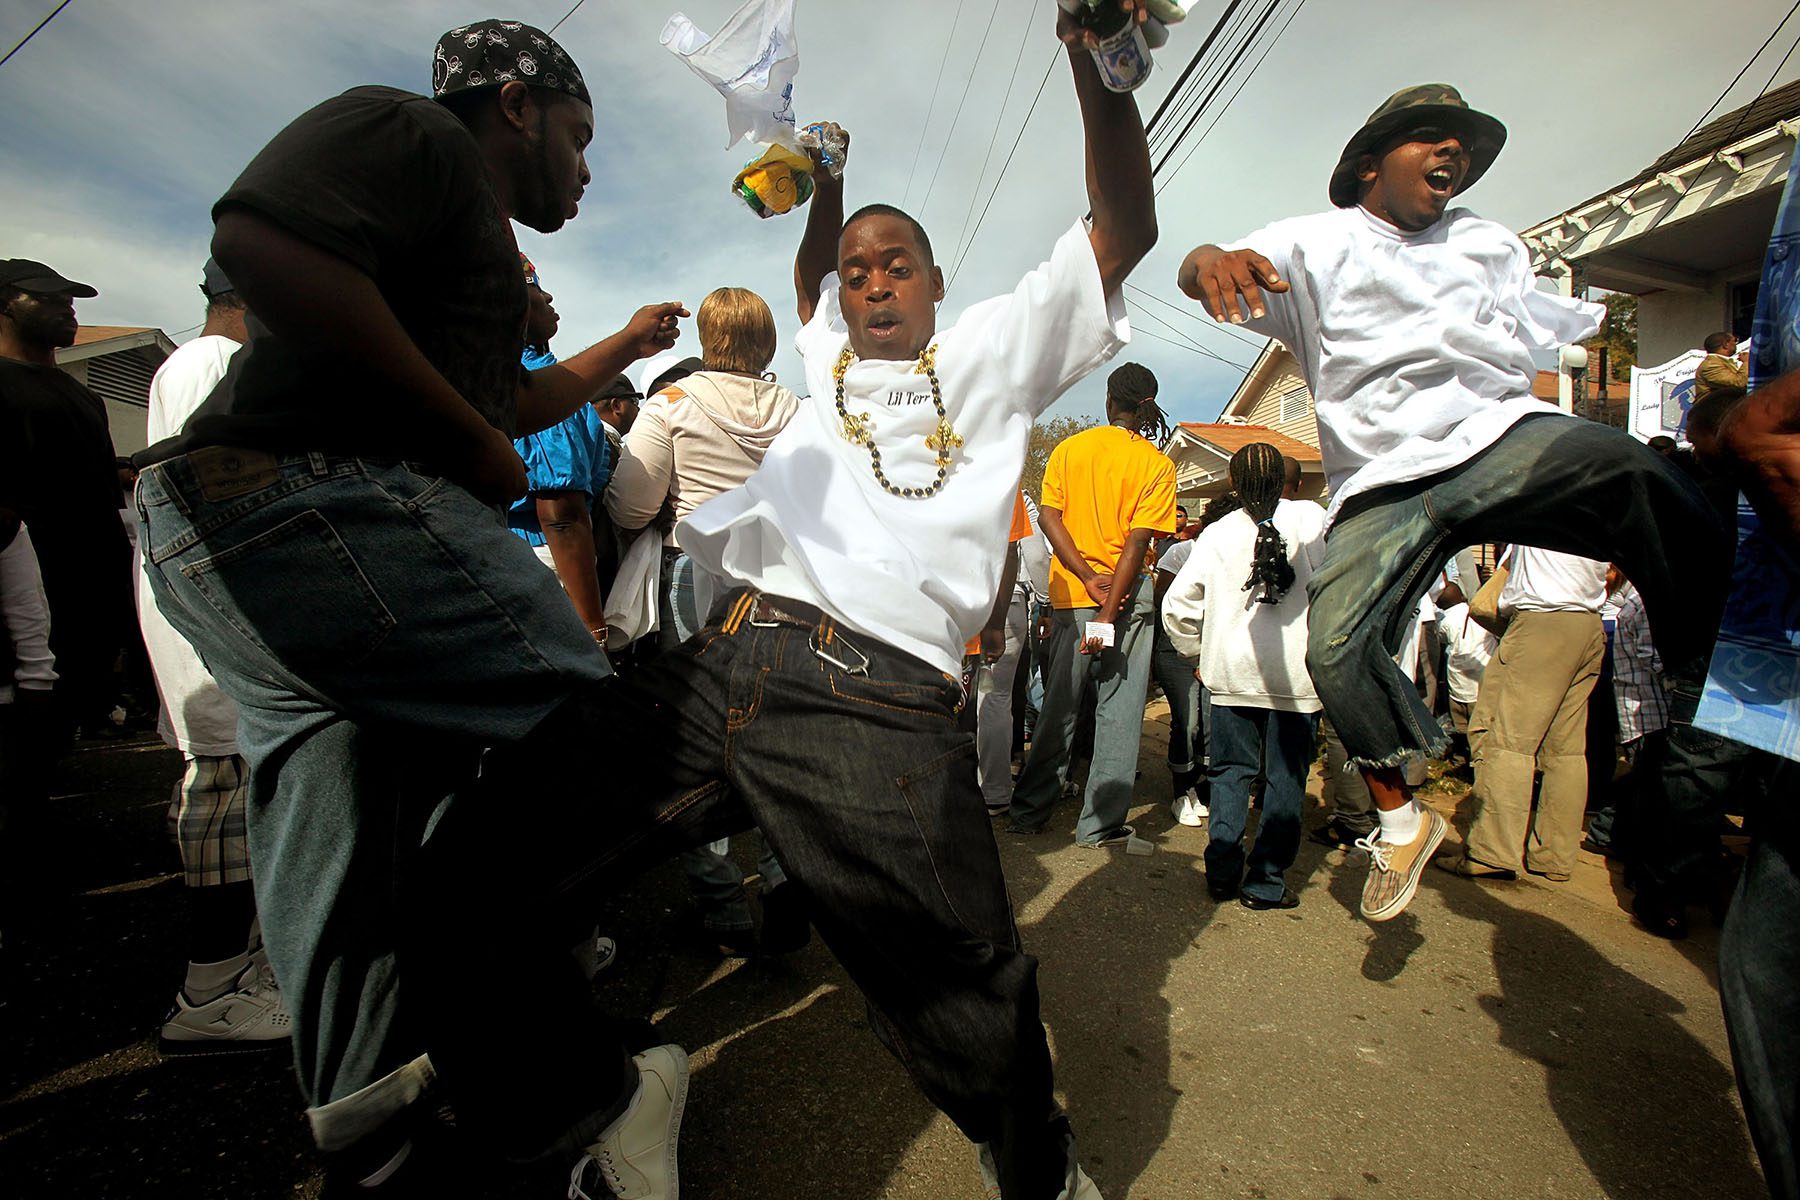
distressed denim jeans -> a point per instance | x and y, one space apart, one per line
1551 481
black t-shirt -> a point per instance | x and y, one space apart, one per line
57 467
395 184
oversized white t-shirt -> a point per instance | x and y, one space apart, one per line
1550 581
1250 654
197 718
1416 345
813 524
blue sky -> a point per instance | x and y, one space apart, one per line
126 120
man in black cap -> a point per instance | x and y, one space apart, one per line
324 530
58 471
1414 323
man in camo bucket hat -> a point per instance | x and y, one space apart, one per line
1412 111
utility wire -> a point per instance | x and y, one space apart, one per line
1031 10
1741 73
1195 94
968 83
931 110
34 31
1185 339
1744 113
1191 64
1232 66
1202 322
1226 107
976 232
1150 333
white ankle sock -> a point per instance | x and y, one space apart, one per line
209 981
1401 825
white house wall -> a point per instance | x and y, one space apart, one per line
1265 408
1671 322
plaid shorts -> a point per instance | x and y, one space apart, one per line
206 819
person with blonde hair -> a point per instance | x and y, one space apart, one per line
697 437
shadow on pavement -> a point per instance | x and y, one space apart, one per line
1621 1072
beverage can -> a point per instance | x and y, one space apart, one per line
1123 58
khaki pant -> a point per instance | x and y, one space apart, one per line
1532 717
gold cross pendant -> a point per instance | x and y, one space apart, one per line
856 428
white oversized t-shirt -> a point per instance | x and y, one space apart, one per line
813 524
197 718
1416 345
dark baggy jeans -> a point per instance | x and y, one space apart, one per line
390 644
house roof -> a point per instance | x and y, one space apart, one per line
1770 108
1233 437
102 333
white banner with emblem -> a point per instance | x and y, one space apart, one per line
1661 396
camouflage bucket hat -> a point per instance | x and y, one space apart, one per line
1426 105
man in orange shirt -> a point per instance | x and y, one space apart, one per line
1107 492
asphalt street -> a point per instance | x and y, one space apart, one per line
1498 1040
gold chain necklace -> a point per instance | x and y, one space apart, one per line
858 429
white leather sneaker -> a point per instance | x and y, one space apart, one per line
248 1017
1188 809
635 1158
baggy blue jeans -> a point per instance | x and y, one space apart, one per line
1174 673
1245 742
391 644
1551 481
1122 675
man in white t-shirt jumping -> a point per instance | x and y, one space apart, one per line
1414 324
229 1000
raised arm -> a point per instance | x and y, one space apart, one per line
548 395
817 256
1120 193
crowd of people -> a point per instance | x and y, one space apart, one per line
400 567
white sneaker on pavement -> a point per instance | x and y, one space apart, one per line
1187 809
249 1017
635 1158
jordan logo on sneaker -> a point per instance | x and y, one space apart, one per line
224 1017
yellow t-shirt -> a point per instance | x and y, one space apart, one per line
1021 529
1106 482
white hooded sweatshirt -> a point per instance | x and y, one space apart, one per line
700 436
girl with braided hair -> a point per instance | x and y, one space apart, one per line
1249 636
1258 476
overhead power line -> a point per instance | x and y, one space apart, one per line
1206 323
931 110
1031 10
20 44
995 190
1741 72
1226 107
567 15
968 83
1192 63
1223 76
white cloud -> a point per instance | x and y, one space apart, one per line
125 122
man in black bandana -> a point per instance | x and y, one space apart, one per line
324 530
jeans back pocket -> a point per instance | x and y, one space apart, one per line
296 591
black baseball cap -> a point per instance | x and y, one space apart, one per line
29 276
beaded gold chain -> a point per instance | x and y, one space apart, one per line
858 429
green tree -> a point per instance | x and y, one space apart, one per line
1044 437
1618 335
